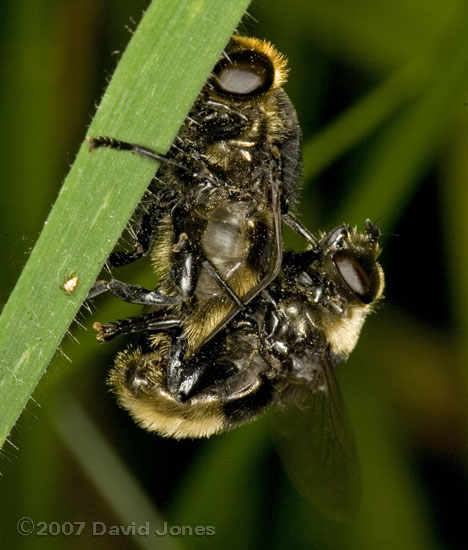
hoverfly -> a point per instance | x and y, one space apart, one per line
284 348
212 217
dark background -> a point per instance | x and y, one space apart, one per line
381 90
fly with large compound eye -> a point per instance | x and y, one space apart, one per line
236 159
284 348
355 269
283 320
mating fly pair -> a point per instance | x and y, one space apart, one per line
234 324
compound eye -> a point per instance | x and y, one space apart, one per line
244 75
361 283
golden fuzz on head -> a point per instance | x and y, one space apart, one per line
266 48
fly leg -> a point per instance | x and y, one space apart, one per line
149 322
132 294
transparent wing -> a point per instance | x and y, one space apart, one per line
317 446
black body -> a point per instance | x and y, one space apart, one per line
283 348
306 322
212 216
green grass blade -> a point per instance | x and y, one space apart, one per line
405 151
109 474
164 66
218 477
363 118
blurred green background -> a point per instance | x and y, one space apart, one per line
381 90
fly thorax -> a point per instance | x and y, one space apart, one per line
288 327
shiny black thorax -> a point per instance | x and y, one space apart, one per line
263 354
237 145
